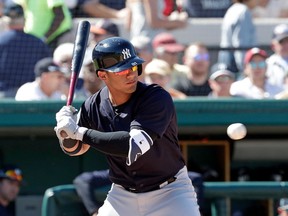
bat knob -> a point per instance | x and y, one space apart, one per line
63 134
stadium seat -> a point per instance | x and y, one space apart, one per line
63 200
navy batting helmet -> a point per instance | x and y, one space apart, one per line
115 54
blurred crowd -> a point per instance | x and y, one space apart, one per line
36 47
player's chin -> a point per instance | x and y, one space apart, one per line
131 86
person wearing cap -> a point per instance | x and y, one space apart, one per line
166 47
220 81
159 72
63 53
102 29
19 52
196 60
134 125
283 207
91 82
255 85
277 63
49 78
62 56
10 183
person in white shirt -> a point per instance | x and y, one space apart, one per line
49 78
277 64
255 85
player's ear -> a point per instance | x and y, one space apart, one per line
102 75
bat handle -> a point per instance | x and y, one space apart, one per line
72 87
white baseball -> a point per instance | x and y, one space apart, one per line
236 131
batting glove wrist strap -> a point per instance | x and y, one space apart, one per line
140 142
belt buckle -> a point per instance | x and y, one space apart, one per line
133 190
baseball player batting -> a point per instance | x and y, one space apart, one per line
134 125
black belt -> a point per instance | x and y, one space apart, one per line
157 187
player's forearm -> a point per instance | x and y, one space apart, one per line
113 143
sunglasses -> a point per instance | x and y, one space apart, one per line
260 65
223 79
201 57
125 72
14 174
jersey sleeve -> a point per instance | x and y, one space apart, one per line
154 112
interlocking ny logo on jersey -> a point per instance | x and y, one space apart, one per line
126 53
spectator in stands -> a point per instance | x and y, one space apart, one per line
47 20
49 78
159 72
238 32
10 183
277 64
255 85
166 47
62 56
206 8
146 18
144 50
91 82
220 81
271 9
19 52
102 29
283 207
97 8
195 83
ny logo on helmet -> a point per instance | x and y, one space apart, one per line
126 53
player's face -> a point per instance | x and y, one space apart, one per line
9 189
121 82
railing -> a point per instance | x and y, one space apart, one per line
63 198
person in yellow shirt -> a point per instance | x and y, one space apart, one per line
46 19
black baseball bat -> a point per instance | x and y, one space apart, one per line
79 49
